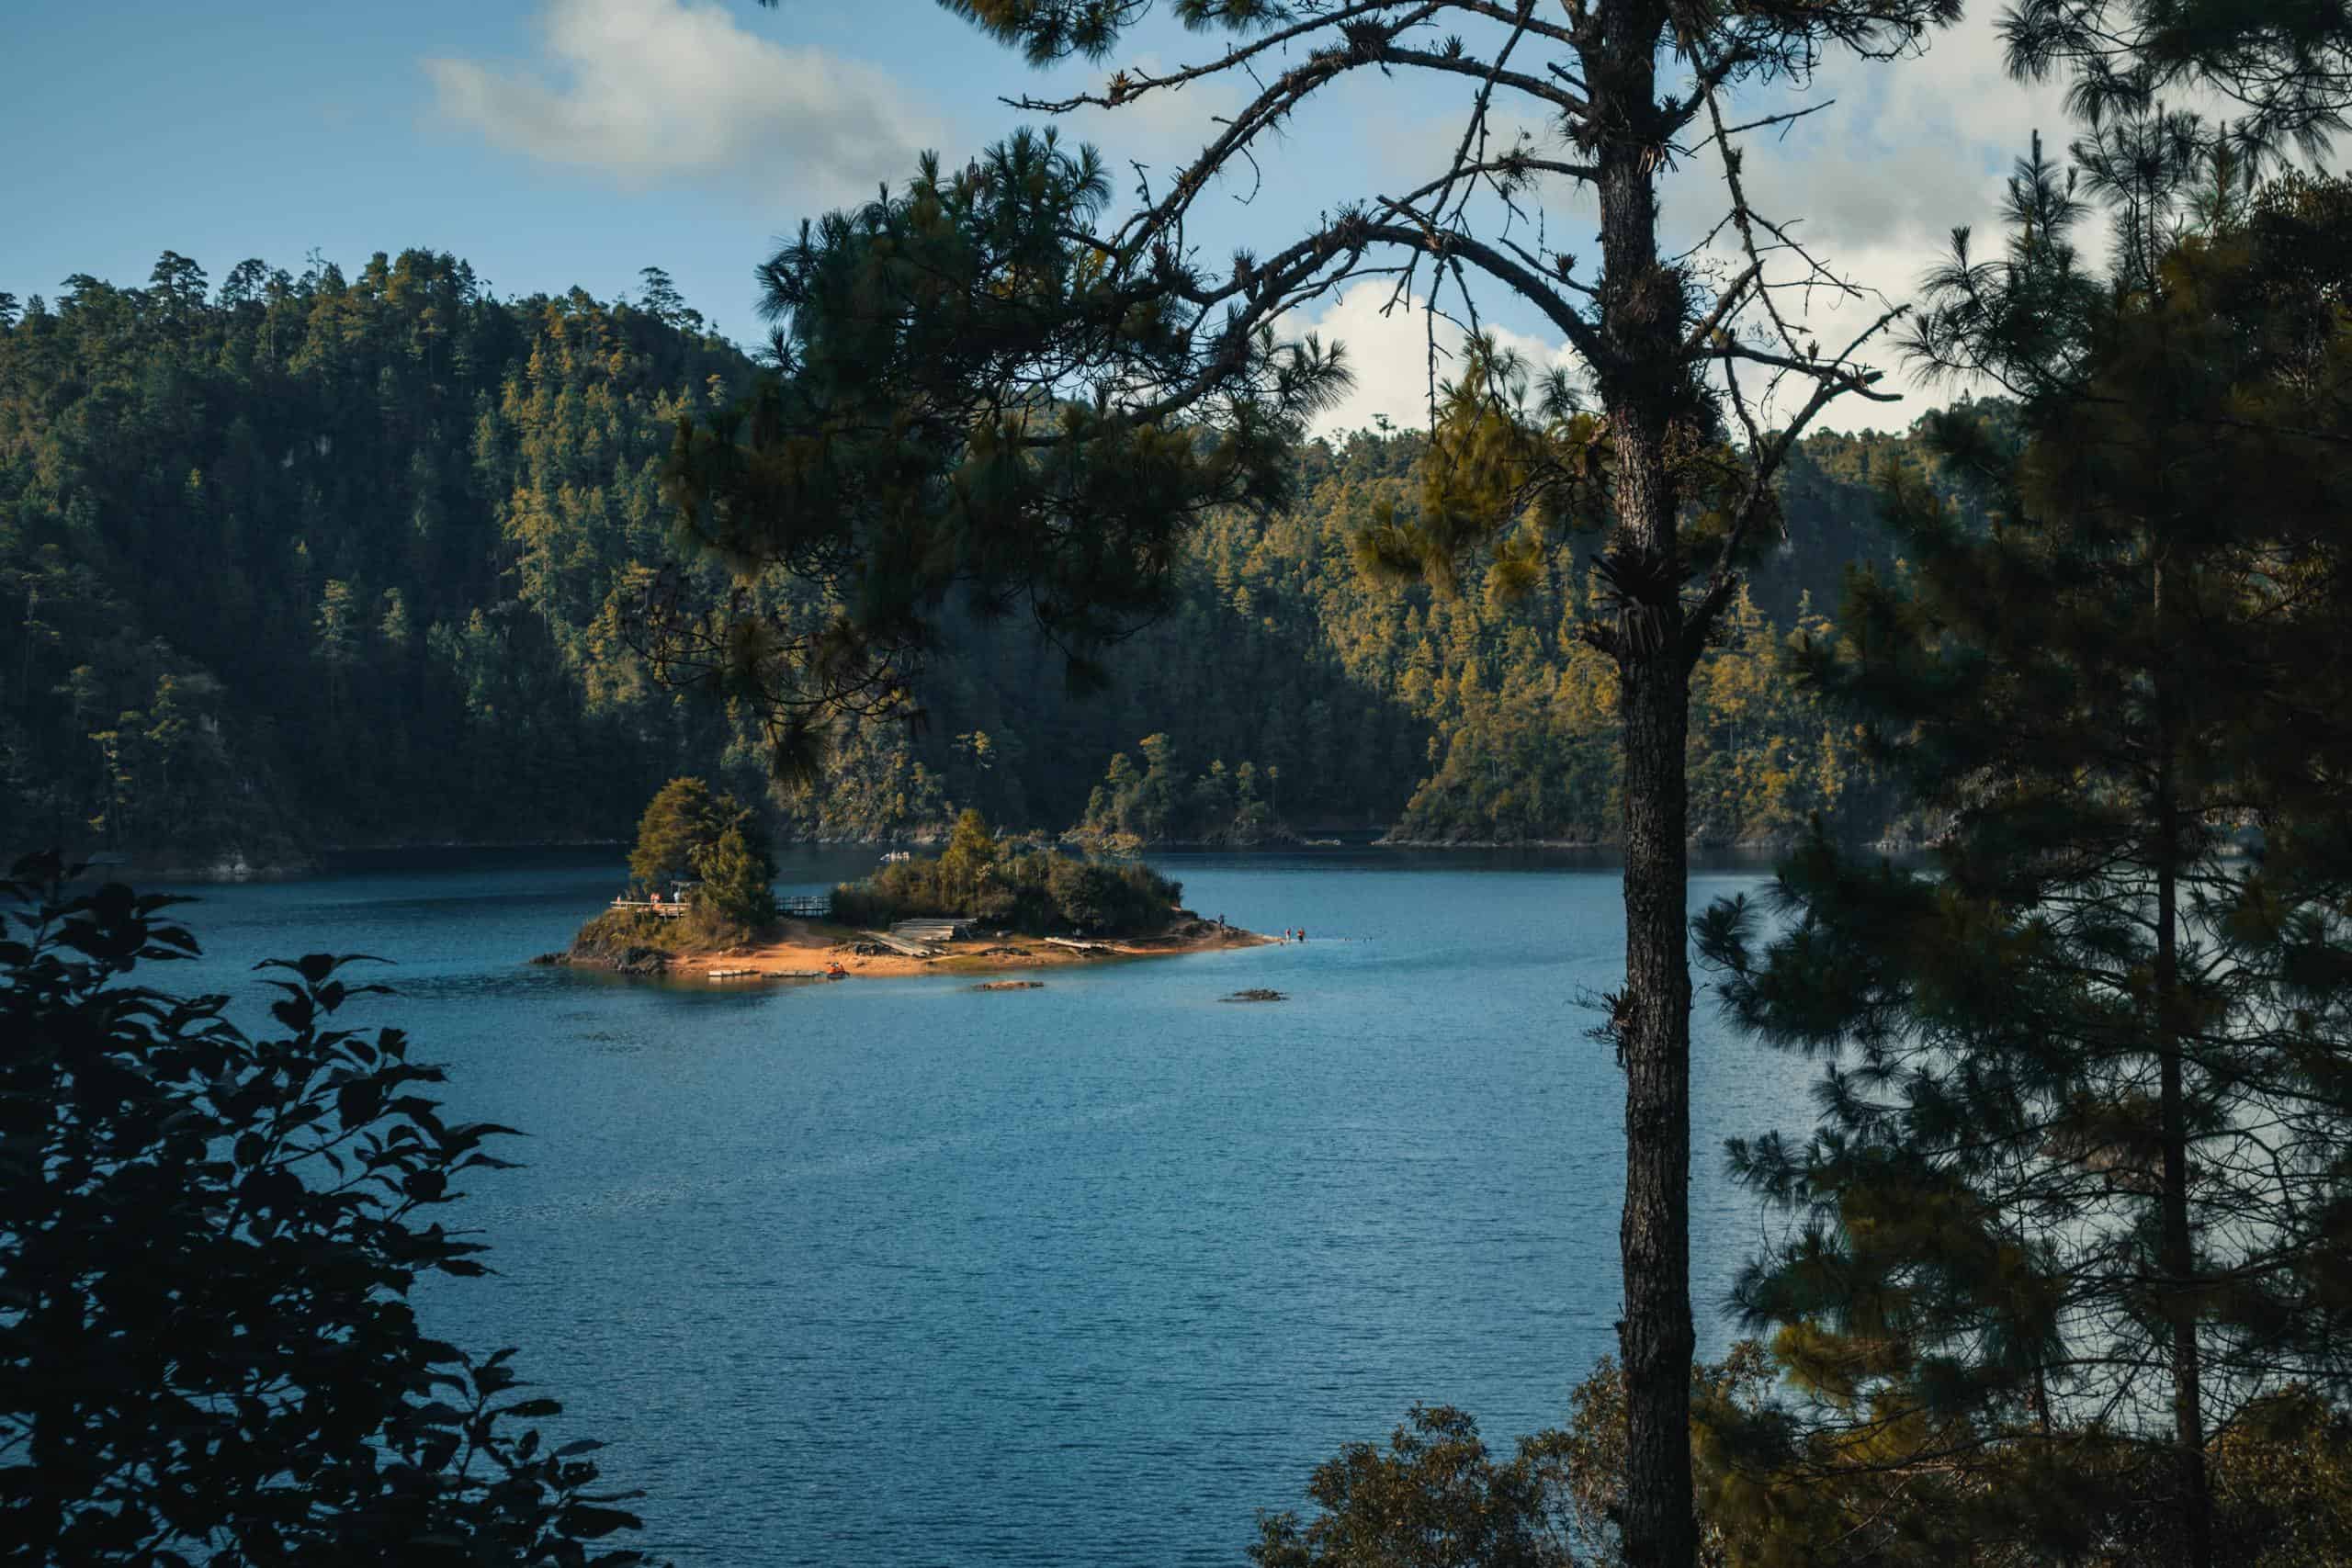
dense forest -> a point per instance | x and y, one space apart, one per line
299 561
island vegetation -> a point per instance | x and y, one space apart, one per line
701 897
1039 891
701 880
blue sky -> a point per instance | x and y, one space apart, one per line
555 143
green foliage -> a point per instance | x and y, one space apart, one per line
1771 1492
684 818
1036 890
1157 806
2085 1140
1436 1497
738 877
459 569
209 1243
926 432
970 858
1781 1494
245 540
690 828
2280 65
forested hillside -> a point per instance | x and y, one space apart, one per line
294 561
312 560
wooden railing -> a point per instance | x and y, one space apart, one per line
801 905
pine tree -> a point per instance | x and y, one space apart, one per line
1001 292
2284 67
2084 1164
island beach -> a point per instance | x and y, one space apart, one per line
808 948
804 947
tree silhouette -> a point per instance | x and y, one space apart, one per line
994 379
208 1245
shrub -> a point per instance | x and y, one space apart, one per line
208 1246
1037 890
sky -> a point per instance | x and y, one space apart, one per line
556 144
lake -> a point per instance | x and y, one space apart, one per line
895 1273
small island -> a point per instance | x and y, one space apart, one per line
701 904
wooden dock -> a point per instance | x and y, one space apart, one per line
930 931
900 945
1077 946
765 974
799 906
668 910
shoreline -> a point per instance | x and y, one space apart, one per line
803 950
234 866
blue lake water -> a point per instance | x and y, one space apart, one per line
891 1272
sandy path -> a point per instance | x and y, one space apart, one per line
805 947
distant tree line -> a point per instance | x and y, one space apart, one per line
254 531
318 558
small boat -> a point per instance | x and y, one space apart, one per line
895 856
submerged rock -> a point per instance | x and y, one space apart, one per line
1256 994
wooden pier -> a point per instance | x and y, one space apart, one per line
899 946
929 931
668 910
799 906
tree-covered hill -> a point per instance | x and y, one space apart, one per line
309 560
291 562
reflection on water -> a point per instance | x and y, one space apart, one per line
892 1272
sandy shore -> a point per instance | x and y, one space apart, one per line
804 947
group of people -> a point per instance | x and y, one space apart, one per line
1289 934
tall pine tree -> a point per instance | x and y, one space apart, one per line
993 383
2084 1164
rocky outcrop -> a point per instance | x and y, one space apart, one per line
620 957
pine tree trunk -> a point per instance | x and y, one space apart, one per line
2179 1252
1656 1339
1645 389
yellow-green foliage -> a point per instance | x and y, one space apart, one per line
1036 890
690 828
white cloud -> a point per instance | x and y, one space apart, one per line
1873 186
1389 352
647 90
